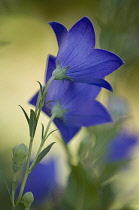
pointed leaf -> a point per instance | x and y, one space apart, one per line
32 123
49 101
42 131
27 118
44 96
50 133
41 87
42 154
39 96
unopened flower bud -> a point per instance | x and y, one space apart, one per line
27 199
20 153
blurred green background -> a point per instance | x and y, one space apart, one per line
25 41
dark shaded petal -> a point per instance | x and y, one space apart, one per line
79 43
57 90
60 31
33 100
67 132
99 63
50 66
87 114
75 93
96 82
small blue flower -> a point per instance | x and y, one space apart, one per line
121 146
75 102
42 181
77 57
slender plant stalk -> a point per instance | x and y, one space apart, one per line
27 171
41 102
42 141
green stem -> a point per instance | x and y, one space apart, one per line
42 141
26 173
39 150
41 101
48 84
48 126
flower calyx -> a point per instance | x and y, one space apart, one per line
58 111
60 73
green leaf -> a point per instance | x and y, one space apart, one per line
42 131
39 96
42 154
49 101
32 123
41 88
43 98
27 118
50 133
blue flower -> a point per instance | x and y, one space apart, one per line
121 146
76 104
77 58
42 181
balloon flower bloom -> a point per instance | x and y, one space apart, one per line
74 103
77 58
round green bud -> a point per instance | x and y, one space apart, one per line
27 199
20 153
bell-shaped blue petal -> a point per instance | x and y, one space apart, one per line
88 114
60 31
67 131
98 64
79 42
76 51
